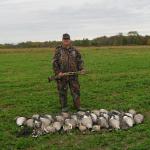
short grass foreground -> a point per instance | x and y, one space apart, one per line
118 78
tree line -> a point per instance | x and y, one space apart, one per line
132 38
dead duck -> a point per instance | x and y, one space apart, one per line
103 122
138 118
96 128
114 122
20 121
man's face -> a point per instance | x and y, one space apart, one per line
66 42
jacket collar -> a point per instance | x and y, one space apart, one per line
69 48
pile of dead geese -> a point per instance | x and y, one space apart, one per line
94 121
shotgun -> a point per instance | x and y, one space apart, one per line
57 77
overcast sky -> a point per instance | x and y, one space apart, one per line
40 20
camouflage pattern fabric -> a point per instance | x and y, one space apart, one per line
68 60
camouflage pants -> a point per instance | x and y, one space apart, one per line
62 86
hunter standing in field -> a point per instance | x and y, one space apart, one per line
68 59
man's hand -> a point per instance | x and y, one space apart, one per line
61 74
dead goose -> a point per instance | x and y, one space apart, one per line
45 121
96 128
103 111
115 112
127 122
103 122
114 122
20 121
67 127
96 112
50 129
37 132
65 115
82 128
57 125
36 116
138 118
94 120
132 111
105 115
37 123
49 117
80 113
87 112
60 119
72 122
128 114
93 117
87 121
29 123
74 117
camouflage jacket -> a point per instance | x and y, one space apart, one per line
67 60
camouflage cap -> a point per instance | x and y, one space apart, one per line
66 36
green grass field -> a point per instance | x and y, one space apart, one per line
119 78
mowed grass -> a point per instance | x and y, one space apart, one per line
118 78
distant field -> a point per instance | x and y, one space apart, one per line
119 78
